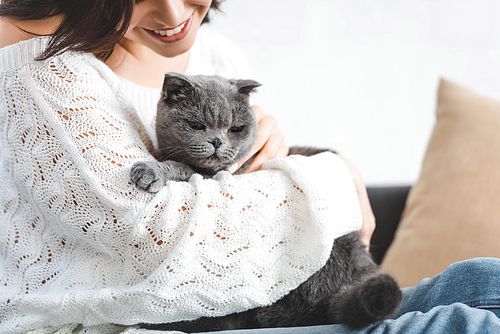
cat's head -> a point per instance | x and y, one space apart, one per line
205 121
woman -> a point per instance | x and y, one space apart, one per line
83 249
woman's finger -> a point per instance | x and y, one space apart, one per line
274 147
269 142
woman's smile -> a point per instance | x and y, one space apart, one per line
173 34
168 28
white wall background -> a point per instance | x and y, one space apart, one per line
361 76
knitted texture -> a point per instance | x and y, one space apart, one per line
83 248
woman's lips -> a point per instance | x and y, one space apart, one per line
172 35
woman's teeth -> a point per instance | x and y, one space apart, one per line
170 32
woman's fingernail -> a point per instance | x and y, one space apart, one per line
233 168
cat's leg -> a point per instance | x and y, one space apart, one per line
369 301
153 175
365 295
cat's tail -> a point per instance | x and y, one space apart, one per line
369 301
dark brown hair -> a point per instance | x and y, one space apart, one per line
94 26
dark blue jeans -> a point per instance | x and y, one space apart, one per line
465 298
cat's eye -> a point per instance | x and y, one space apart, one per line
235 129
196 125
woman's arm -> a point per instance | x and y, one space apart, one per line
369 222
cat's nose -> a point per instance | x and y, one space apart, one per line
216 142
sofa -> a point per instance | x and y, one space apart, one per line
452 212
387 204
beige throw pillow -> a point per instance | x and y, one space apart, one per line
453 211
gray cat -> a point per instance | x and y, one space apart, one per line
204 125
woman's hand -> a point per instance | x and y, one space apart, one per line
366 210
270 142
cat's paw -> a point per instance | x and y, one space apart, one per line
380 297
147 176
367 302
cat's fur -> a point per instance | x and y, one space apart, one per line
204 125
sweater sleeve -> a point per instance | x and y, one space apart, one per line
110 253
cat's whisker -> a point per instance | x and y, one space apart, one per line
169 156
228 154
169 147
165 153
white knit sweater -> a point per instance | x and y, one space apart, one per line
81 248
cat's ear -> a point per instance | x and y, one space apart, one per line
176 86
246 86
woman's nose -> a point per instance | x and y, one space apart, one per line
170 13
